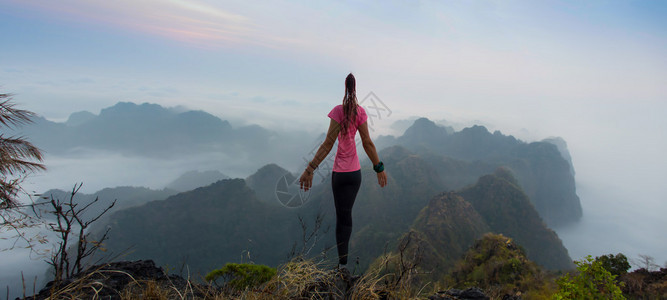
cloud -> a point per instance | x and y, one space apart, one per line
192 22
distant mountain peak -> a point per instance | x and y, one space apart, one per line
476 130
263 182
78 118
195 179
424 124
130 108
561 144
506 174
423 130
269 168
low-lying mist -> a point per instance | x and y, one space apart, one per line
617 219
98 170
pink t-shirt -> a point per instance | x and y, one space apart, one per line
346 155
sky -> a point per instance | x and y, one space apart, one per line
591 72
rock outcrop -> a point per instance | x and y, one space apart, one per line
110 281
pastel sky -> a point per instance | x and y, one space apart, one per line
592 72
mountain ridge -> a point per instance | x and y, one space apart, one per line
541 168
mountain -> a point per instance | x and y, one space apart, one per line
542 169
235 215
79 118
507 210
472 143
149 128
265 180
561 144
198 139
381 216
194 179
446 228
421 131
205 228
131 128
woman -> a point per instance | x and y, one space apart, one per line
346 120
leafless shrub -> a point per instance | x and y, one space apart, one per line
71 227
310 238
647 262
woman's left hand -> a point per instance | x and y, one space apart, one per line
306 180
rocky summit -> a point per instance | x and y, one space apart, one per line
111 281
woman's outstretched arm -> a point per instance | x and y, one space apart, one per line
306 179
369 147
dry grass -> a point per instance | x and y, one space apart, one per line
298 279
83 286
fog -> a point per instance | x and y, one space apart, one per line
620 165
622 212
98 170
20 262
616 220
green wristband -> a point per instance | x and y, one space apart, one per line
379 167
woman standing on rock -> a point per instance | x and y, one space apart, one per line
346 120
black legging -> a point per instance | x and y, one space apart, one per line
345 186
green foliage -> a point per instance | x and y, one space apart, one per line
242 276
616 265
592 282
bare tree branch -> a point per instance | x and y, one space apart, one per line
71 227
309 237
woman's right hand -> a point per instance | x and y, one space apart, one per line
306 180
382 179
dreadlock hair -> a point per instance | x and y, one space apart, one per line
349 103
